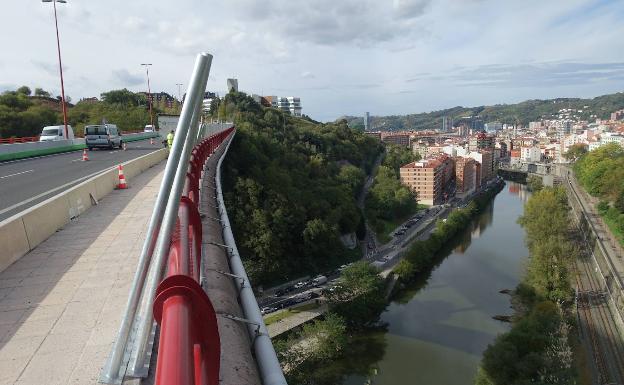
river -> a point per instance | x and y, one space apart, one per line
438 329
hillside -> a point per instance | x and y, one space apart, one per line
524 112
290 188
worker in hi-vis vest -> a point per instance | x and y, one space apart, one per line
170 139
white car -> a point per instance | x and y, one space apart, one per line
148 128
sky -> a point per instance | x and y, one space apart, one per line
342 57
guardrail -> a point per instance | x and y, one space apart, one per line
189 349
19 140
24 150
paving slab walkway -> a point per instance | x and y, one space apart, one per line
61 304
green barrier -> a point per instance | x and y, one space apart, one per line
45 151
58 150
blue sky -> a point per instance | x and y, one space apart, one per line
341 57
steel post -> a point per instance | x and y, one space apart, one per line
112 372
187 132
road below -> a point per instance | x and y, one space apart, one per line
24 183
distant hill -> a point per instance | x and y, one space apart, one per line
524 112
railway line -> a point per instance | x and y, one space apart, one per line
597 320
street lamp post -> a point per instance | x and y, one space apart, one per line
149 92
179 92
58 46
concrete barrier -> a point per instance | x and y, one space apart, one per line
24 231
14 242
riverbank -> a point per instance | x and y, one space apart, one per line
479 219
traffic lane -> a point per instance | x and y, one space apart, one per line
31 181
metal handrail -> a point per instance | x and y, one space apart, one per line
191 110
113 371
269 367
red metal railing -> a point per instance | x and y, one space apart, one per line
19 140
189 348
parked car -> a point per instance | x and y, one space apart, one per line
267 310
279 293
148 128
301 284
55 133
319 280
102 135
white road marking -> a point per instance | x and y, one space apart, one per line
17 173
76 160
52 191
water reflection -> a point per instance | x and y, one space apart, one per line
440 325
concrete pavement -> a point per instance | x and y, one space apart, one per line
61 304
26 182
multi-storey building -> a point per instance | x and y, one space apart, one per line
426 179
232 84
530 154
290 104
465 173
398 139
485 158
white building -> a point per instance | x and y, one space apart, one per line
612 137
530 154
290 104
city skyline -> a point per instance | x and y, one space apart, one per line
356 56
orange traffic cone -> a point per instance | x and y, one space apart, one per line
122 179
85 157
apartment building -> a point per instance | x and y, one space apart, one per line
465 174
398 139
426 179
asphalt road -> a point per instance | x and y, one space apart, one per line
24 183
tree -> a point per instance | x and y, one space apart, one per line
123 97
575 151
359 295
24 90
41 92
534 183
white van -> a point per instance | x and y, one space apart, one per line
148 128
55 133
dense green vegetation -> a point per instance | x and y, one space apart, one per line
421 254
359 295
537 349
388 202
524 112
356 303
601 172
22 115
535 183
290 186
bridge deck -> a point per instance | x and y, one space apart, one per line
61 304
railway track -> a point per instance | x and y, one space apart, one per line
597 319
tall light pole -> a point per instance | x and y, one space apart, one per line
149 93
58 46
179 92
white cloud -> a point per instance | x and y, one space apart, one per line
341 57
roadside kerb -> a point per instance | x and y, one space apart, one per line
24 231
